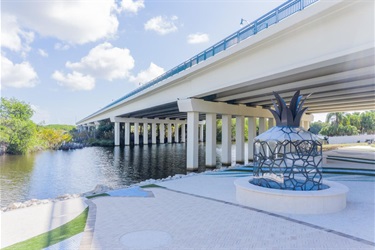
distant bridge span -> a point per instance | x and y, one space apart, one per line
326 49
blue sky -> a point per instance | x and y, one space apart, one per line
70 58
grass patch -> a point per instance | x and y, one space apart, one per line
151 186
97 195
73 227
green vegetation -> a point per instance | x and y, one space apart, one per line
20 135
151 186
101 136
97 195
340 123
73 227
60 127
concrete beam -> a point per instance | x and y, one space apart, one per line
202 106
145 120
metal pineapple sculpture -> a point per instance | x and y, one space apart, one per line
287 156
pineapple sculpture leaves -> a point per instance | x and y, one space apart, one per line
288 116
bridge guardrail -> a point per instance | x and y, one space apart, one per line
274 16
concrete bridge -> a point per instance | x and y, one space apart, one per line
320 47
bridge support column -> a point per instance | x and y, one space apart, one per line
192 141
252 130
117 134
262 125
226 144
153 133
305 124
169 133
136 133
127 134
183 133
211 140
161 133
271 123
201 135
176 133
145 133
240 146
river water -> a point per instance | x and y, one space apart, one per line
49 174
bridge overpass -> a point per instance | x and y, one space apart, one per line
316 46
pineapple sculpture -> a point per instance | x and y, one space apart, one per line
287 156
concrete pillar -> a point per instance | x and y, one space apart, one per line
252 130
145 133
201 134
192 141
127 134
226 138
183 132
240 140
306 124
136 133
169 134
153 133
271 123
211 140
176 133
262 125
162 132
117 134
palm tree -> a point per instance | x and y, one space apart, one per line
337 117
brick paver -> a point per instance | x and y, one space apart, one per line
200 223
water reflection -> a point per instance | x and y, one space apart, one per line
49 174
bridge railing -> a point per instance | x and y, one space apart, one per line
274 16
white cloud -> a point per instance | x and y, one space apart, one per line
74 81
147 75
105 61
42 53
76 22
132 6
162 25
12 36
60 46
198 38
20 75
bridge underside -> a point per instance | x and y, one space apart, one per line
342 84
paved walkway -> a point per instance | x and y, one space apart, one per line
24 223
191 221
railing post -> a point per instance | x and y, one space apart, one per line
277 16
302 4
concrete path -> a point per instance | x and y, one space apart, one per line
24 223
175 220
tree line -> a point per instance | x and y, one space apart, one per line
341 123
20 135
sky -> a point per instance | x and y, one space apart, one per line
68 59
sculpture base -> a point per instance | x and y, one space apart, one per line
324 201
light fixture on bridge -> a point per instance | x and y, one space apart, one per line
244 22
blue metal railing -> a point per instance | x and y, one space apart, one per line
274 16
